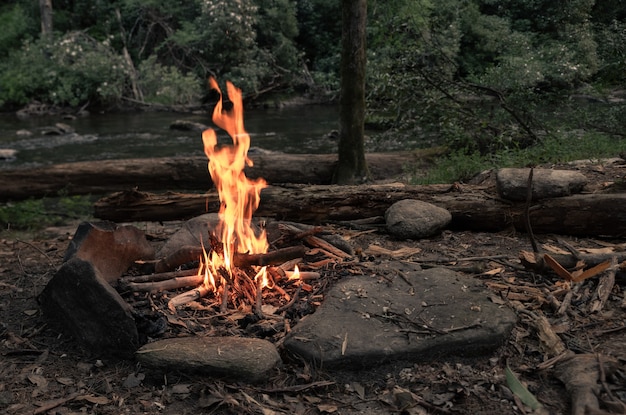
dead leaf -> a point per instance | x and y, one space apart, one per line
575 276
98 400
359 389
38 380
65 381
556 267
327 408
344 344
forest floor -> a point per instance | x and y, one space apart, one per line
42 371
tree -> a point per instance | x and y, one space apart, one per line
45 7
352 167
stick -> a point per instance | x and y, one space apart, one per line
291 302
189 296
529 198
185 254
171 284
159 277
304 275
270 258
320 243
54 403
605 286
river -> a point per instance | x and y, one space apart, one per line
301 130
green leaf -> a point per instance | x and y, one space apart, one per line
520 390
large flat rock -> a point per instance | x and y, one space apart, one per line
367 320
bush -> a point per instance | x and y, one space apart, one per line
166 85
72 70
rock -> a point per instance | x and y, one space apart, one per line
23 133
512 183
414 219
366 321
186 125
194 232
234 358
85 305
7 154
109 247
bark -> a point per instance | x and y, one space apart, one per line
472 207
179 173
352 166
45 8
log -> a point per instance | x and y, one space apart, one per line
472 207
179 173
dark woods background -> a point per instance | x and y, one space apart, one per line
483 74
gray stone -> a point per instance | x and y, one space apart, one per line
85 305
194 232
414 219
512 184
365 321
234 358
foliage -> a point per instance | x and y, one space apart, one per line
72 70
16 25
166 85
560 148
35 214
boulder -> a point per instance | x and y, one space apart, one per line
414 219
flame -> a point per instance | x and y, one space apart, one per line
296 274
239 196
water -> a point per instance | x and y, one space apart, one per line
147 134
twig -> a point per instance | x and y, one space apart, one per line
291 302
54 403
529 198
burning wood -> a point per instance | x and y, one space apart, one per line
236 266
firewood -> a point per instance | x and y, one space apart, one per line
123 283
201 291
169 284
270 258
182 256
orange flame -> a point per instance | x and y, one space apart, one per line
239 196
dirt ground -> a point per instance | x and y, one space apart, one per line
42 371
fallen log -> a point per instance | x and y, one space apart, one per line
472 207
180 173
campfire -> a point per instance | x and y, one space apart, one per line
114 292
236 264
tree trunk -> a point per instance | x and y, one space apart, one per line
45 8
352 166
177 173
472 208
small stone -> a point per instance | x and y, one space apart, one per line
234 358
414 219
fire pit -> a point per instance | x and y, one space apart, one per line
223 291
